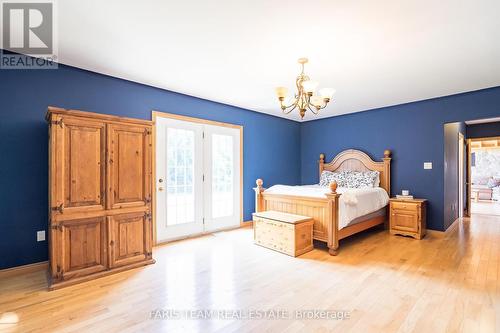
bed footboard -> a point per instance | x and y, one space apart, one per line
324 211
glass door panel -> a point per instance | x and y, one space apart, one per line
180 175
222 177
179 183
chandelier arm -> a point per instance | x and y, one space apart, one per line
322 107
287 112
309 107
294 103
291 107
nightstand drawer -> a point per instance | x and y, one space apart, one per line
401 205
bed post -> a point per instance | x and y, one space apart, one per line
259 197
387 185
321 163
333 209
387 170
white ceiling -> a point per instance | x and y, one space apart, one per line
374 53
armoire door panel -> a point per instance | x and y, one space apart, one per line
82 165
129 170
130 238
83 244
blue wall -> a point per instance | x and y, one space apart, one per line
271 144
483 130
415 134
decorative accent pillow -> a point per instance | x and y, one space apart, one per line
357 179
351 179
326 178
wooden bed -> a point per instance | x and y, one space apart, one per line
324 211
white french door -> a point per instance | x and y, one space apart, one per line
197 178
222 177
179 182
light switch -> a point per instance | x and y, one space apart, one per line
40 236
427 165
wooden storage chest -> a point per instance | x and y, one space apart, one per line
287 233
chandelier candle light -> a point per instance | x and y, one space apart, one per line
305 97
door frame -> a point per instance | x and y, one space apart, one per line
469 168
461 174
468 185
159 114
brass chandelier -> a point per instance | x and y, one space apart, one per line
305 97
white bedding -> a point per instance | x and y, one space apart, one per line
353 202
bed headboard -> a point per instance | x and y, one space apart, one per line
357 160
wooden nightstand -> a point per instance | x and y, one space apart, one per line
408 217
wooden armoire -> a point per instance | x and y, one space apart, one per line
100 183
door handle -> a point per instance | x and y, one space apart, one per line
160 189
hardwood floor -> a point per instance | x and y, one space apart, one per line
386 283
